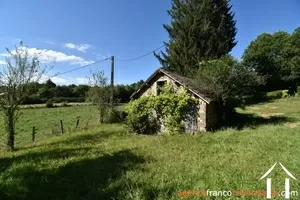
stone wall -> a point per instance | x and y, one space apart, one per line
202 120
152 87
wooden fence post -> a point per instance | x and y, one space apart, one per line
61 126
33 134
77 123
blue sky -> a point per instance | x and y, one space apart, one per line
73 33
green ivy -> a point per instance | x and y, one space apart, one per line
148 113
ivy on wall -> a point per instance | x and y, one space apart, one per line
148 113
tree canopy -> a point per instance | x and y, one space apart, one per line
199 30
277 57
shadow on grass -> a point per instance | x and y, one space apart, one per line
35 175
244 120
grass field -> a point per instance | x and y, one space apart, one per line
47 119
106 163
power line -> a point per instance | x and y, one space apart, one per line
132 59
126 60
58 74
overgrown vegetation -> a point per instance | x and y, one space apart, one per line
148 114
228 82
278 94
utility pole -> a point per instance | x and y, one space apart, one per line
112 80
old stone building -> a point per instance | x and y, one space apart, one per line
206 111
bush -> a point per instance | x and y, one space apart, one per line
278 94
114 116
274 95
147 114
139 119
285 93
298 91
49 104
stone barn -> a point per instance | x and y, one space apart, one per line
206 118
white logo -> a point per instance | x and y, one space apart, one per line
287 181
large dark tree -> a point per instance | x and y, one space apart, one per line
199 30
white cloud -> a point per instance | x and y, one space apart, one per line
65 80
49 56
80 47
49 42
2 62
82 80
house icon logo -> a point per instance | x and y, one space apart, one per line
269 181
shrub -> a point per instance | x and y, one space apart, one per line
49 104
274 95
285 93
139 119
298 91
114 116
278 94
147 114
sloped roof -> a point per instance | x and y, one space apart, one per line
183 81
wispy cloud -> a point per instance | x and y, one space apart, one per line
80 47
49 42
100 56
49 56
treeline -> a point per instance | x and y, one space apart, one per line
49 91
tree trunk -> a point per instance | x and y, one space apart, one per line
9 116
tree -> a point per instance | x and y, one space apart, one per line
99 93
199 30
50 84
81 90
20 69
276 57
230 84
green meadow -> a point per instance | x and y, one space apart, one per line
105 162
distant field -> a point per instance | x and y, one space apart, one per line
107 163
46 119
